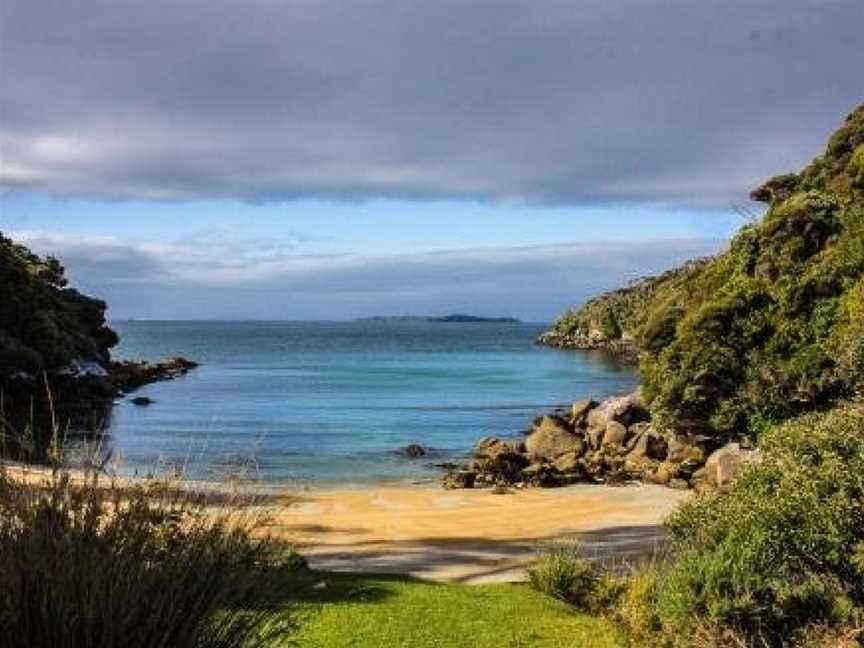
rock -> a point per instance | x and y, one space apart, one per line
568 463
597 418
491 447
414 450
617 478
724 465
595 437
459 479
540 474
627 409
687 448
580 409
649 445
664 474
142 401
488 447
551 439
126 376
615 434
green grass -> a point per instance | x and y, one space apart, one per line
359 611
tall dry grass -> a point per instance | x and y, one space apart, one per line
85 563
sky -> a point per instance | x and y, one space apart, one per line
328 160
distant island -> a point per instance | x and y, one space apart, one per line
459 318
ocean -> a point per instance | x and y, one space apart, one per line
333 402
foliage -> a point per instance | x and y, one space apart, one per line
43 324
771 328
563 574
621 313
780 553
89 564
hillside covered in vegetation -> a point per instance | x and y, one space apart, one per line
770 328
44 325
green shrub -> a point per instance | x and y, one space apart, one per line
781 551
637 606
563 574
91 565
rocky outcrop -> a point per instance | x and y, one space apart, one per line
624 347
724 466
56 370
129 375
608 442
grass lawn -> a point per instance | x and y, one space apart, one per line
341 610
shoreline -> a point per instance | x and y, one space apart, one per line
463 536
468 536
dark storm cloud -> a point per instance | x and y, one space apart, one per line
645 100
228 280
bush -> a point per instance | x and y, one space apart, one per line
638 601
90 565
781 552
563 574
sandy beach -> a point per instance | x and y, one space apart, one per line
469 536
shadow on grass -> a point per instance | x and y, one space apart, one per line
309 586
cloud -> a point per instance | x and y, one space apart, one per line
667 101
229 279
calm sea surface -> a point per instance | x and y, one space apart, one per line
330 402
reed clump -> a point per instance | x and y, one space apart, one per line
87 563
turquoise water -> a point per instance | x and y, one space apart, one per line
332 402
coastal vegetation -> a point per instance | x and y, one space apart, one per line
764 345
56 370
44 324
770 328
88 563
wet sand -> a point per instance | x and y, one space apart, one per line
469 536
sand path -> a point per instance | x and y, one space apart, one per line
468 536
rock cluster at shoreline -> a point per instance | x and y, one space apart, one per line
129 375
611 442
623 347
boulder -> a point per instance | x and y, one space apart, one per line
550 439
142 401
459 479
634 432
414 450
615 434
628 409
568 463
649 445
597 419
540 474
490 447
687 448
595 437
724 465
580 409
